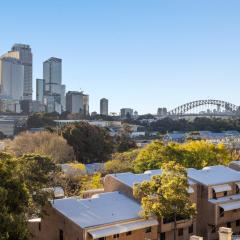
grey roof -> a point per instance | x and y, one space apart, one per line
214 175
102 209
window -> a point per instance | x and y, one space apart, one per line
148 230
225 193
213 229
60 234
162 236
180 232
129 233
116 236
190 229
229 225
101 238
238 223
221 212
39 227
237 189
214 194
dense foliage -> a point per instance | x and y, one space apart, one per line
90 143
166 195
121 162
42 143
195 154
198 124
21 183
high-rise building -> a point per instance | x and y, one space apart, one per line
74 102
63 97
11 78
52 74
126 113
86 104
40 89
162 111
104 106
23 53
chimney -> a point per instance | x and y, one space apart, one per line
225 233
196 238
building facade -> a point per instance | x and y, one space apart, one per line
24 54
74 102
126 113
104 106
40 90
11 78
54 90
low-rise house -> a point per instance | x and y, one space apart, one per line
218 200
105 216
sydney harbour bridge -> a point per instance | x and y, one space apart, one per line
207 107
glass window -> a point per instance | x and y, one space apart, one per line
116 236
225 193
229 225
60 234
148 230
238 223
162 236
180 232
190 229
129 233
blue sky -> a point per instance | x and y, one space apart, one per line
142 54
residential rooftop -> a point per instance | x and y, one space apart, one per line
214 175
130 178
104 208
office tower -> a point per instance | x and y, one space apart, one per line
86 105
104 106
23 53
63 97
52 74
74 102
40 89
162 111
126 113
11 78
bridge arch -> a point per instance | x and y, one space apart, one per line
183 109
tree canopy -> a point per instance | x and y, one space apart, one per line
90 143
42 143
195 154
167 194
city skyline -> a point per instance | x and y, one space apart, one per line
129 49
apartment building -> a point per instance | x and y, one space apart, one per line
124 182
115 213
218 200
105 216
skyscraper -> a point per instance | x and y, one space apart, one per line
52 74
23 53
11 78
86 104
104 106
40 90
74 102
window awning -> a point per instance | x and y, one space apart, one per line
230 206
222 188
121 228
190 190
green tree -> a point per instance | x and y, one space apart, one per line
14 201
90 143
192 154
38 120
121 162
166 196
